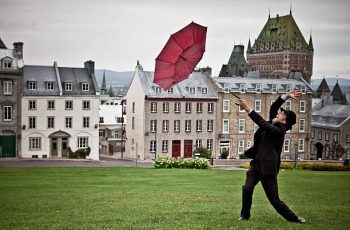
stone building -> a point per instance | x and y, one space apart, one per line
11 67
60 108
235 130
280 49
173 122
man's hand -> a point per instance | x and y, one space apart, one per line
243 104
294 94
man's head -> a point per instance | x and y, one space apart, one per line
287 117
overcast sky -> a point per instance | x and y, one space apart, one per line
117 33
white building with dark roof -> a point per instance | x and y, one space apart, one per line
59 110
169 123
235 130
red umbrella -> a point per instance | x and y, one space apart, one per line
180 55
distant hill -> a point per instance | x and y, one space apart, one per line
114 78
343 83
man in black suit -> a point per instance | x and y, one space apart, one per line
266 155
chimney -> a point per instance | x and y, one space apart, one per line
18 47
90 66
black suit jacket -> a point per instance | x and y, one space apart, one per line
268 141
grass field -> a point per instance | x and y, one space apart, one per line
134 198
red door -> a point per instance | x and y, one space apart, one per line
188 148
176 149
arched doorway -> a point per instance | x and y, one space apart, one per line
59 142
319 150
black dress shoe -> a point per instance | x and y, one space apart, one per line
301 220
241 218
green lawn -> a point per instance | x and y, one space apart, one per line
135 198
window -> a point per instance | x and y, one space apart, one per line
153 146
226 106
177 107
32 122
153 107
120 120
188 107
50 104
7 87
241 110
347 138
32 104
133 107
165 146
288 105
335 137
240 146
133 123
158 90
302 106
301 125
249 144
319 135
210 144
50 122
199 107
301 145
68 86
303 89
86 122
313 134
50 85
69 123
171 90
32 85
192 90
187 125
7 64
83 142
210 125
34 143
327 136
101 133
274 88
176 126
199 125
242 87
241 125
165 107
225 125
198 143
204 90
257 106
85 86
153 126
69 105
7 113
210 107
258 88
286 145
165 127
86 105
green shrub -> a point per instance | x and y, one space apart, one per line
167 162
346 162
316 166
203 152
80 153
224 155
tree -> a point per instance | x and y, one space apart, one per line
336 151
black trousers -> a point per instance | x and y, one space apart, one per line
270 186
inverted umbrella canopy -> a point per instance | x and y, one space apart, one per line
180 55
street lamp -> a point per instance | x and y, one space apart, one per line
295 156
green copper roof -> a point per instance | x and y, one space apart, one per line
281 29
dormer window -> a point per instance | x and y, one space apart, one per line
158 90
204 90
303 89
6 63
242 87
289 87
32 85
68 86
50 85
171 90
274 88
85 86
258 88
192 90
